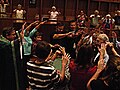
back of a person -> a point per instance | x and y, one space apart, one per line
41 75
80 76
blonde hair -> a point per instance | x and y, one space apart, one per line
104 37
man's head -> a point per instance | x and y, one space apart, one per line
9 33
108 16
60 27
38 36
19 6
73 25
42 50
96 12
53 8
102 38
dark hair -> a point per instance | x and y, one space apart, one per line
84 55
37 34
60 24
42 50
72 21
113 73
7 31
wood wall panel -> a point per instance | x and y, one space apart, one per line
104 8
82 6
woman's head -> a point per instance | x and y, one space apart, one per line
112 72
84 55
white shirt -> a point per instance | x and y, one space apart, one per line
19 14
3 8
53 15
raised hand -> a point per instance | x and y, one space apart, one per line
102 49
65 59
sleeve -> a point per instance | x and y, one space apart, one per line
32 32
55 77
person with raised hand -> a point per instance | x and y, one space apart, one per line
41 74
107 74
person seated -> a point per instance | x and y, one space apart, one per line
41 74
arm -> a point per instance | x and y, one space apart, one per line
113 49
39 24
29 26
35 29
59 36
65 59
101 66
7 2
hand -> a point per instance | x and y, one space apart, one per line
58 52
102 49
110 44
23 28
65 59
35 23
43 22
62 49
101 65
15 10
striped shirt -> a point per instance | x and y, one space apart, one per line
41 76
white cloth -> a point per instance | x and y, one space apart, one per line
19 14
106 57
53 15
3 8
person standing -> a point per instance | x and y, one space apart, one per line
94 19
53 14
11 60
41 74
19 12
3 6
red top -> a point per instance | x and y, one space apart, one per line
80 76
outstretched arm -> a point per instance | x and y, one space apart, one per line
29 26
39 24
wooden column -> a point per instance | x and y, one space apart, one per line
99 4
40 11
76 8
88 7
109 5
10 6
64 10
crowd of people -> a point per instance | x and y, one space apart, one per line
80 56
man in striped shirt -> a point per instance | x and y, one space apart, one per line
41 74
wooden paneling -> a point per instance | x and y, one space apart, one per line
93 6
68 8
82 5
104 6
